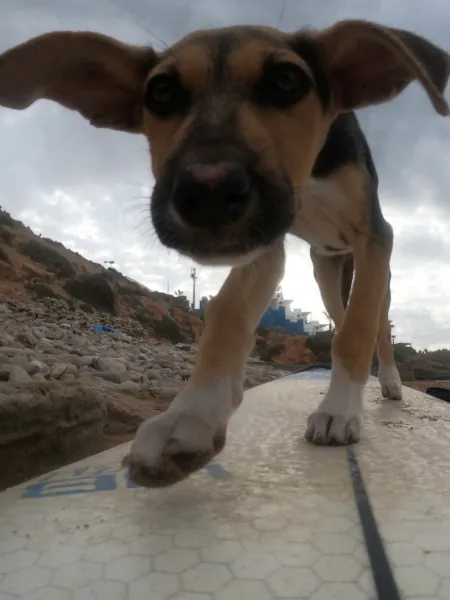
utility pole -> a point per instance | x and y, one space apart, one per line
194 279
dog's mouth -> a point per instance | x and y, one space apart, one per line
234 233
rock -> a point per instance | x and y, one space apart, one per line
37 366
18 375
20 360
116 377
185 374
71 370
154 373
67 377
62 423
6 340
129 386
39 377
58 369
107 364
27 339
12 351
4 372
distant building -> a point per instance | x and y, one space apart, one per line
294 320
279 314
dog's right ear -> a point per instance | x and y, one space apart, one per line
98 76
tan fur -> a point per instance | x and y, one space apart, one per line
332 211
233 315
328 275
354 350
380 54
339 205
384 344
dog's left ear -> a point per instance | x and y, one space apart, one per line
369 64
96 75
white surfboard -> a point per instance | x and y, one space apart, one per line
273 517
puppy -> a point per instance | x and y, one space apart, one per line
252 135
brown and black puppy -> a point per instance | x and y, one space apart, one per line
252 136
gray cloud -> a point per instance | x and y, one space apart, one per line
89 188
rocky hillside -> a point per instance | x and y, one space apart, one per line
34 268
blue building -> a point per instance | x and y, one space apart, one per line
276 317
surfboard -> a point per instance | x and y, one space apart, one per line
272 517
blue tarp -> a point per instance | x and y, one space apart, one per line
103 329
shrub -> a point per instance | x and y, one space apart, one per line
181 302
168 329
4 255
6 235
50 258
144 316
269 353
320 345
164 328
94 290
42 290
5 218
87 308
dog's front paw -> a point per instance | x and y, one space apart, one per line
169 447
338 418
325 428
390 381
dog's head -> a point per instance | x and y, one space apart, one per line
235 117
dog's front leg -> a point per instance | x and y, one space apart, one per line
338 419
169 447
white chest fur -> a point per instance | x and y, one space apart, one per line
323 218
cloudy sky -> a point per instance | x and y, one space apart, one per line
88 188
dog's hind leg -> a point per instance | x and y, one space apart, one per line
388 375
333 275
338 418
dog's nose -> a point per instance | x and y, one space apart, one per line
211 195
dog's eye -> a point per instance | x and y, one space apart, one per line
287 80
283 84
164 95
